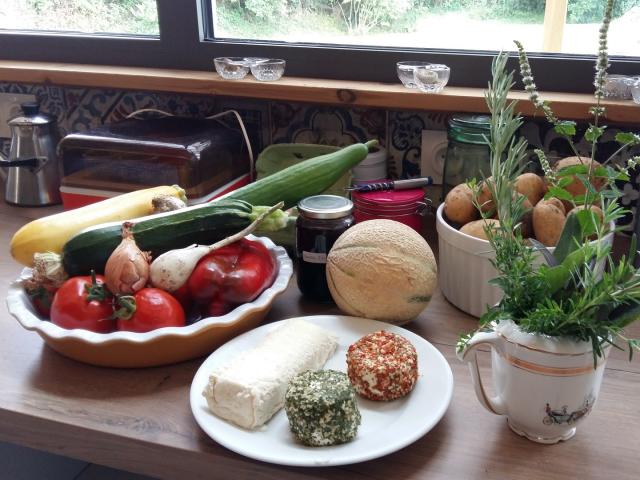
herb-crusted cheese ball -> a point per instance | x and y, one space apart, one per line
382 366
321 408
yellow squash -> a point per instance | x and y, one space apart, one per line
49 234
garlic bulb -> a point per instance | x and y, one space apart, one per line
127 269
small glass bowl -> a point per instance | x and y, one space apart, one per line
618 87
635 91
431 78
269 70
231 68
251 61
405 72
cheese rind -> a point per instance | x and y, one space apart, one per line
250 389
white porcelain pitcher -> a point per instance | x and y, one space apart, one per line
544 385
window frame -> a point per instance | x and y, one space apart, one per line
186 43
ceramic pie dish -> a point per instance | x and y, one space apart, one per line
158 347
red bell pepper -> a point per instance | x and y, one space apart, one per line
230 276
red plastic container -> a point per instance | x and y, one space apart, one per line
404 206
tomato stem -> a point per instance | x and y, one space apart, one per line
96 291
127 304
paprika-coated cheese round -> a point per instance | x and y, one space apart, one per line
382 366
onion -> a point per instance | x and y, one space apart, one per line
127 269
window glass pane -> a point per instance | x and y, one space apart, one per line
567 26
138 17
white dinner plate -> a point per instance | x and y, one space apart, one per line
386 426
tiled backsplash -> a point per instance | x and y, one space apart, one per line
267 122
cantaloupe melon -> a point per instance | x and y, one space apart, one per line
382 269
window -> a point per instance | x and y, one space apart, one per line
135 17
555 26
341 39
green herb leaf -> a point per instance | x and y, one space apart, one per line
627 138
589 222
559 193
574 170
565 182
566 128
593 133
569 238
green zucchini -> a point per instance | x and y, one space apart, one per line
206 224
304 179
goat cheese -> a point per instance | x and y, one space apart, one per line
250 389
322 408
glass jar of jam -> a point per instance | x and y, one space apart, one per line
322 219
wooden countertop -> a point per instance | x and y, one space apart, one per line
309 90
139 420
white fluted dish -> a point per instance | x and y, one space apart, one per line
158 347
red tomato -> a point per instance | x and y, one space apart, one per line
83 303
151 308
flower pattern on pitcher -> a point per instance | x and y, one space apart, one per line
562 416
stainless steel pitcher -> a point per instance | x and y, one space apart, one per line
32 172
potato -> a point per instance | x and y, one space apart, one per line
557 202
531 186
548 222
458 205
576 187
476 228
485 199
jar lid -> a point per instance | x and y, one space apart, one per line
390 197
470 128
325 207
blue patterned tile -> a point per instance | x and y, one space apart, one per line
325 125
405 138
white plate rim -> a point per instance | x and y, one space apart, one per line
195 394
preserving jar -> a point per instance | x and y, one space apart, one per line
322 219
468 155
404 206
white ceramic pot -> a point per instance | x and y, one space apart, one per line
373 167
464 266
545 385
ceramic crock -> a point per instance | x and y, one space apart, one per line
465 267
544 385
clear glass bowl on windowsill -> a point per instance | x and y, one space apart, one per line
431 78
268 70
231 68
635 91
405 72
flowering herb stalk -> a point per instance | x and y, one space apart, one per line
587 172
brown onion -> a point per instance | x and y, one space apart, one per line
127 269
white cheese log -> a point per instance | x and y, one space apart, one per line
250 389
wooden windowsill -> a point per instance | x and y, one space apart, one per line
334 92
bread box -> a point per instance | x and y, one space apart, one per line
205 157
